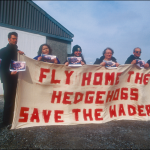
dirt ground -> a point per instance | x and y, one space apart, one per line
115 135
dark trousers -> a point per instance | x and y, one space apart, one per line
9 100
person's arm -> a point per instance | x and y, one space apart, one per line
103 63
130 60
55 61
117 64
21 52
13 72
147 64
115 60
133 61
38 57
67 63
58 62
82 63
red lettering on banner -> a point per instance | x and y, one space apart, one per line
109 77
66 97
78 97
140 110
76 112
116 95
131 110
117 77
68 75
99 97
98 75
138 77
134 94
53 80
57 116
23 115
112 112
123 94
121 110
147 107
129 77
109 96
98 114
145 80
89 114
88 79
42 75
56 96
35 116
89 99
46 115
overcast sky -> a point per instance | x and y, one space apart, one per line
121 25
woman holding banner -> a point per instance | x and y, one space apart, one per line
46 50
107 58
76 52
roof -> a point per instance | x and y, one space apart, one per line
27 16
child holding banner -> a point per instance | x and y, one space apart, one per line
76 52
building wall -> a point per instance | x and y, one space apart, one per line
60 48
27 15
27 42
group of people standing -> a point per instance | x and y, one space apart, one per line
107 55
46 49
9 79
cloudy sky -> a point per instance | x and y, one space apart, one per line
121 25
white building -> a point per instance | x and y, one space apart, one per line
34 27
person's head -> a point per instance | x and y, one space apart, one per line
12 38
76 50
108 52
137 52
45 49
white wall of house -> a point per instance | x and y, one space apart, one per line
29 43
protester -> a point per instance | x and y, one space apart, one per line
9 79
107 56
76 52
132 59
136 55
46 49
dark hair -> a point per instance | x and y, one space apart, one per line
135 48
109 49
75 48
12 33
40 49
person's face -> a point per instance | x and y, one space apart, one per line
77 53
137 52
108 54
13 40
45 50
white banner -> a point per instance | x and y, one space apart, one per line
55 94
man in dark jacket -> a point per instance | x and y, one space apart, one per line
136 55
9 79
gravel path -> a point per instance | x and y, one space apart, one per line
114 135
